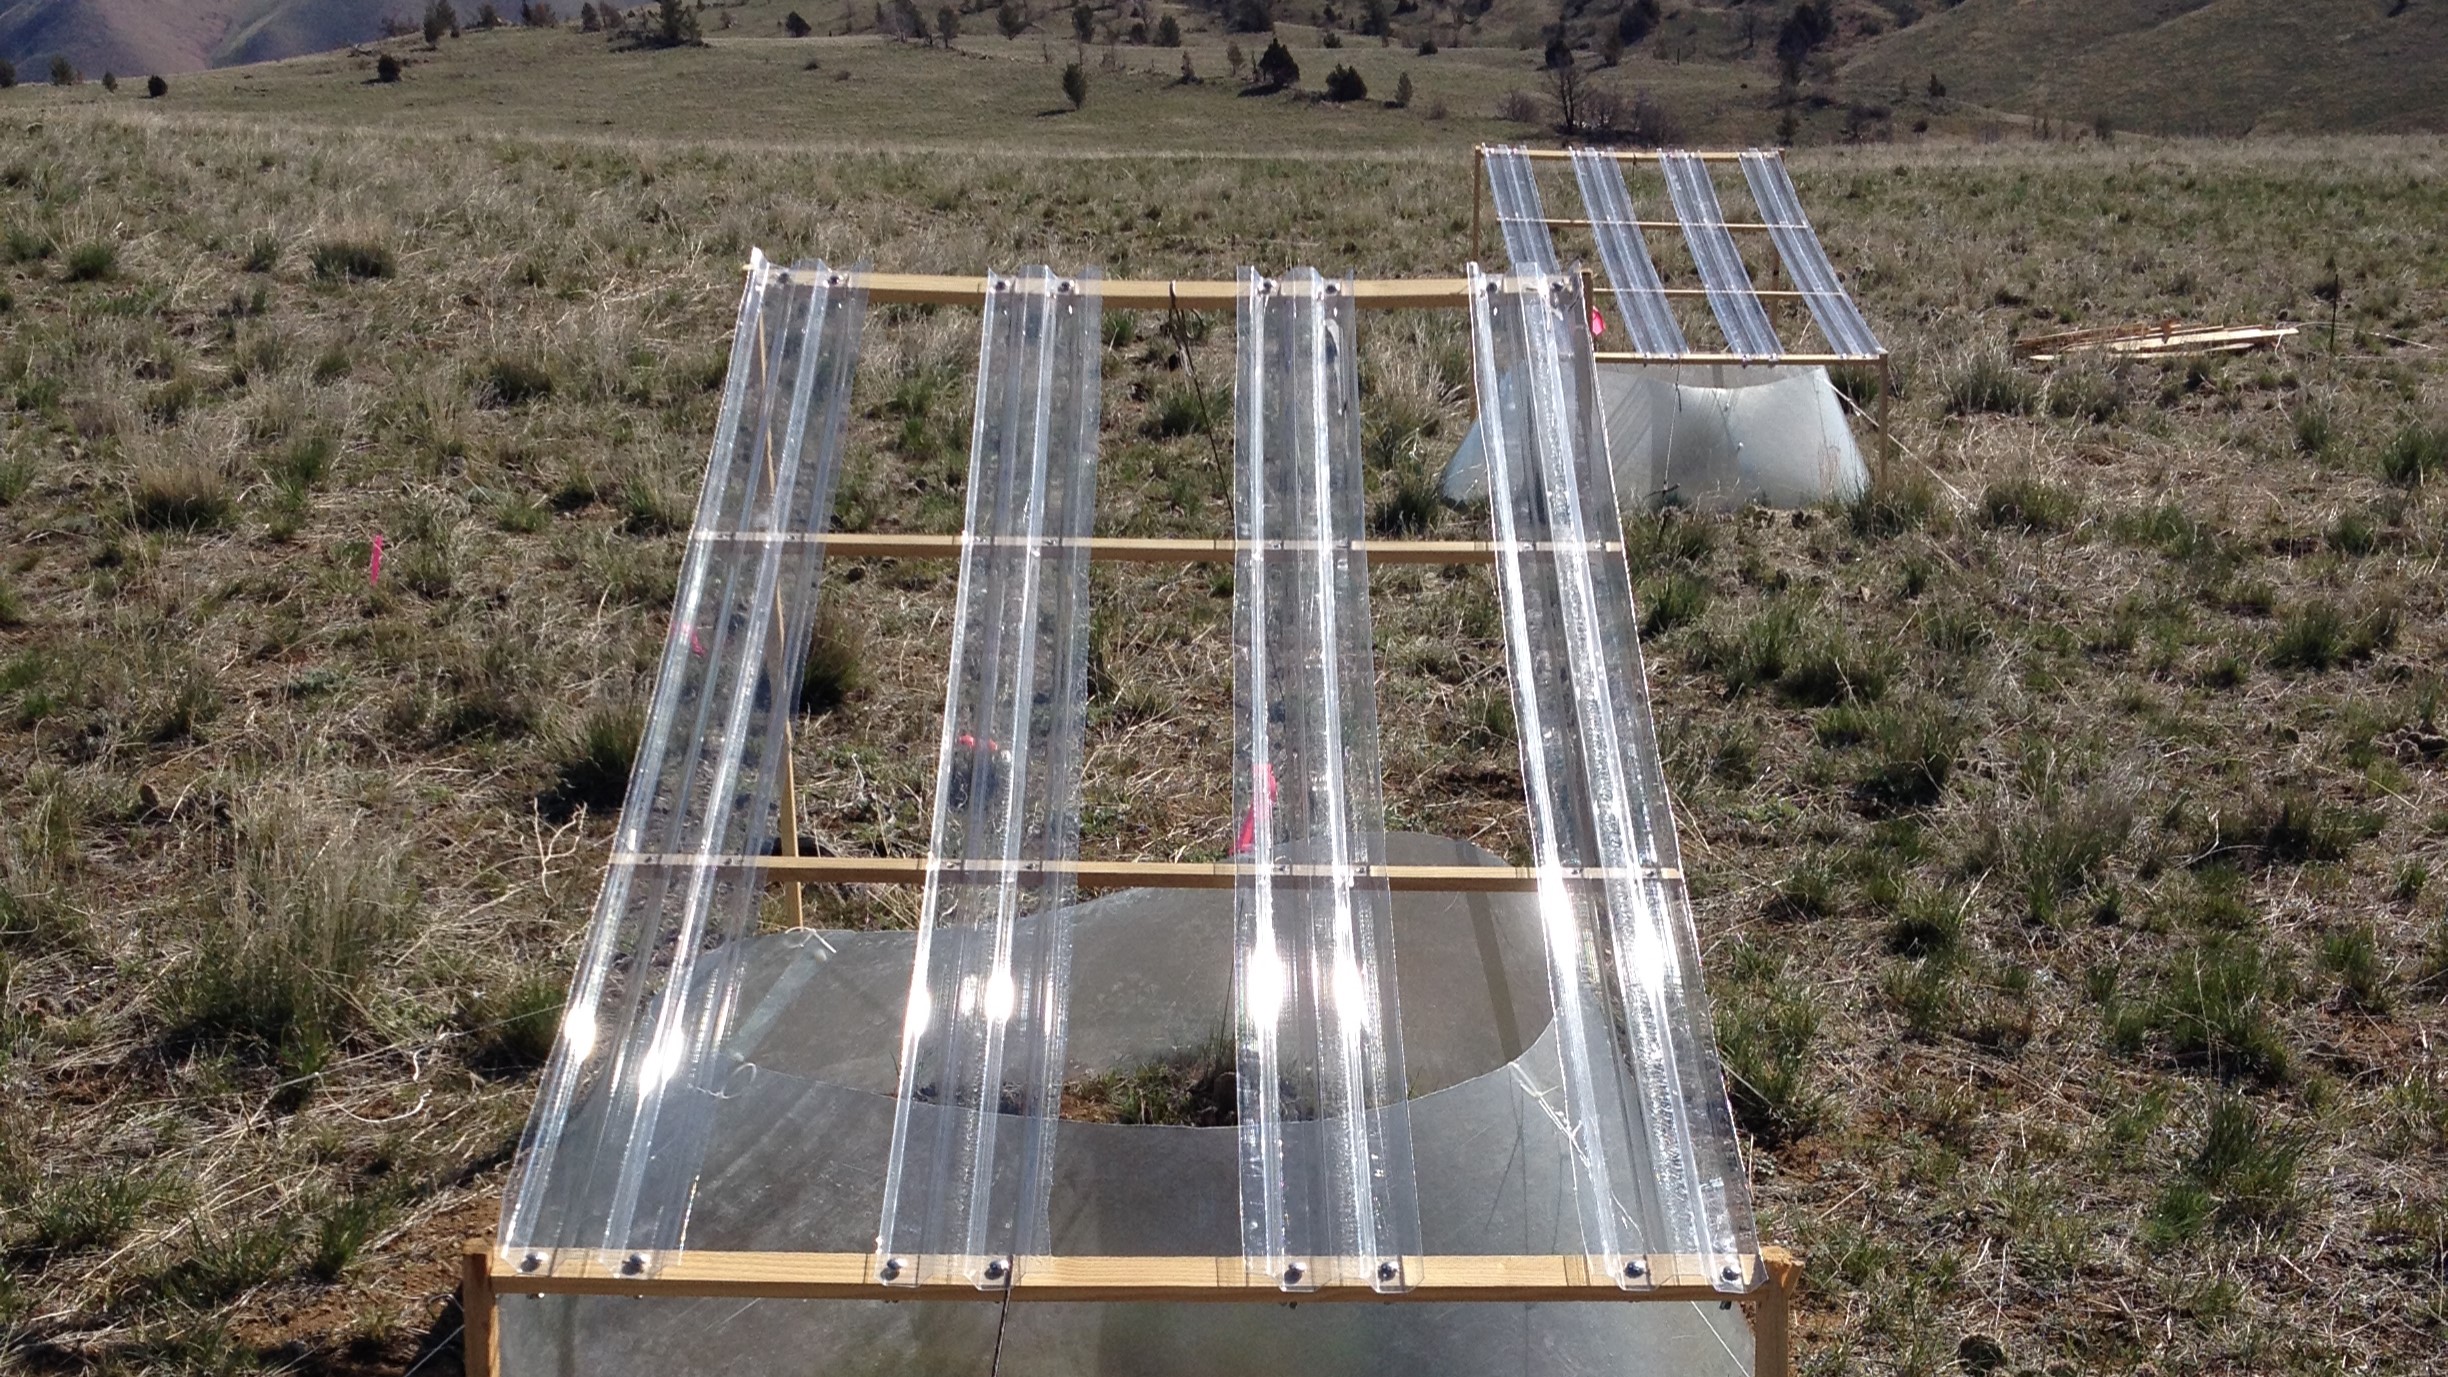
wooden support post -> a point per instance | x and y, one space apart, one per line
479 1335
1772 1317
1886 431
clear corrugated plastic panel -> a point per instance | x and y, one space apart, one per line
1839 319
1660 1187
1731 296
1328 1194
1519 211
1630 271
980 1085
611 1155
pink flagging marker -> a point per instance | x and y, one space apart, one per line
1597 323
374 563
1264 774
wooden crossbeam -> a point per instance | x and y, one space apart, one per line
1108 875
488 1272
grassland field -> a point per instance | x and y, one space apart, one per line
2067 817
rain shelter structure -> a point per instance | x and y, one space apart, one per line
1757 420
1488 1092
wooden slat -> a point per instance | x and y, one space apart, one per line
1561 155
1737 360
1107 875
1156 294
855 1276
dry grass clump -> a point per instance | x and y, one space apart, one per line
184 495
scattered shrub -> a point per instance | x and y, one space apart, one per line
1344 84
1075 85
351 258
1276 67
386 69
156 88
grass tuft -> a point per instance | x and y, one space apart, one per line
357 259
2319 636
832 672
1988 383
288 965
1766 1036
184 496
94 262
2030 505
2417 454
510 1030
507 381
595 762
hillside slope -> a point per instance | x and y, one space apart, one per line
2181 66
167 36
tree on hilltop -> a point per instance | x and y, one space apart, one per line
1276 67
795 26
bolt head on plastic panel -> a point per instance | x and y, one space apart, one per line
890 1270
1731 1272
633 1264
1293 1274
1636 1269
997 1269
1387 1271
531 1262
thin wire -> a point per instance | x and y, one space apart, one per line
1173 316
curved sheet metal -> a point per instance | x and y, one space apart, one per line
1839 319
1730 292
1327 1192
1631 272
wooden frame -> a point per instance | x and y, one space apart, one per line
1886 366
487 1272
1179 1280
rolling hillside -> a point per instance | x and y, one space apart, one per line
2182 66
2158 66
168 36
